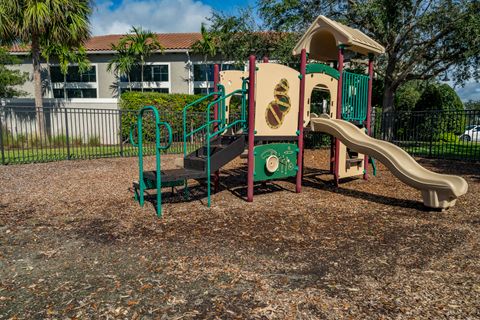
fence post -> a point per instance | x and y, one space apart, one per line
1 136
66 134
120 135
431 135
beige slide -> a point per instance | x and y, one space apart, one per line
438 190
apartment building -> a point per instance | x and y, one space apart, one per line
176 70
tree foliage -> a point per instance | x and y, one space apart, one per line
37 22
439 111
472 105
423 39
122 62
139 45
10 78
408 95
239 35
66 55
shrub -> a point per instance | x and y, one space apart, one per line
76 141
94 141
59 140
443 109
170 107
449 137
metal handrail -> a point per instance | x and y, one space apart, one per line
158 148
184 116
221 121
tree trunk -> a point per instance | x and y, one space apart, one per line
141 73
387 110
65 87
37 81
206 74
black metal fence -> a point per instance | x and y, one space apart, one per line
50 134
453 135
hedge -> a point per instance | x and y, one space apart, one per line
170 107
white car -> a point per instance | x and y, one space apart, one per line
472 133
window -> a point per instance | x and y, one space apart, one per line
202 91
202 72
74 84
203 75
75 93
73 74
156 73
160 90
156 78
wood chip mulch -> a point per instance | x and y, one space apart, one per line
74 244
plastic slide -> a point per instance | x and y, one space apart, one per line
438 190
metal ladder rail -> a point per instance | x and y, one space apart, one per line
158 149
222 128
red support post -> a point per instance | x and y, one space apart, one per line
251 126
369 109
216 74
303 72
339 111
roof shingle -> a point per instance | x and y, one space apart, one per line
169 41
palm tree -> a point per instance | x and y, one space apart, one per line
67 56
38 21
141 43
122 63
205 47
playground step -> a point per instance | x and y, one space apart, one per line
173 175
222 150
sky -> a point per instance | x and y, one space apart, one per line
117 16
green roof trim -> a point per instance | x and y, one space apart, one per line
322 68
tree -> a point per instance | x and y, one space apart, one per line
423 39
239 35
122 63
408 95
141 43
205 47
439 112
67 56
38 21
9 78
472 105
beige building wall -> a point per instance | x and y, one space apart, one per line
180 74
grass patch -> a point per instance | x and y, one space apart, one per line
457 150
47 154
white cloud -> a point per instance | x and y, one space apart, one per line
155 15
471 91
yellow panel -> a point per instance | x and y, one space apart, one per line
231 80
277 100
320 79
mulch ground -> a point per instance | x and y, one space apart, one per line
74 244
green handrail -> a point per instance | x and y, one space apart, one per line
184 116
220 128
158 148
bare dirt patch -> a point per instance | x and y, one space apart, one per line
73 243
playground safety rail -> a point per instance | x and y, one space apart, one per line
158 148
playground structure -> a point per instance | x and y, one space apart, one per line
276 108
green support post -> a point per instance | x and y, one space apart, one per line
158 149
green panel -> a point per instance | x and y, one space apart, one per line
287 155
323 68
354 96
